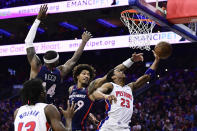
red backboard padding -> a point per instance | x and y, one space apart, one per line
182 11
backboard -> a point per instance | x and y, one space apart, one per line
146 8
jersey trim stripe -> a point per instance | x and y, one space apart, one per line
47 126
82 123
108 108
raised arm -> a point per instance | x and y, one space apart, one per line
102 93
129 62
33 59
67 67
147 76
123 66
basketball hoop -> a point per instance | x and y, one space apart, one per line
140 29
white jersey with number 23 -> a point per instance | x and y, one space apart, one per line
118 114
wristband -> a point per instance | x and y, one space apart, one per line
128 63
150 72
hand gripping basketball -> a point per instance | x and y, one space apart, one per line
163 49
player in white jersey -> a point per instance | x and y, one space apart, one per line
36 115
121 109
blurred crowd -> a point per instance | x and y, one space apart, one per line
169 105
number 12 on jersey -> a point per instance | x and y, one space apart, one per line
30 126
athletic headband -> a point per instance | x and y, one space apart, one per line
52 60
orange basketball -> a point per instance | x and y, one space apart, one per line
163 49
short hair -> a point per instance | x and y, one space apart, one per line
79 68
109 75
31 91
51 54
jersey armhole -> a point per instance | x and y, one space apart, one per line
70 91
88 95
130 86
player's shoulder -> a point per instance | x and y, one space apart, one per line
15 112
49 108
70 89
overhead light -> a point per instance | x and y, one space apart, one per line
2 31
69 26
106 23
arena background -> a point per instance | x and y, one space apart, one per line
166 103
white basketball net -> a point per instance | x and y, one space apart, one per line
140 31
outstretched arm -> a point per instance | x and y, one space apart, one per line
33 59
147 76
67 67
129 62
122 67
101 93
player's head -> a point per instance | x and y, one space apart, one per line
114 74
51 58
83 73
33 92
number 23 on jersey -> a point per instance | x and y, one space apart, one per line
125 103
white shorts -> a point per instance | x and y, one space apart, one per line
113 128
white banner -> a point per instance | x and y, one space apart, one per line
58 7
93 44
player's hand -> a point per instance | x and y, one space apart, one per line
70 111
111 98
43 12
137 57
155 55
93 119
86 36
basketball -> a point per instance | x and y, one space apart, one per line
163 49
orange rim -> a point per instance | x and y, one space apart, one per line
133 11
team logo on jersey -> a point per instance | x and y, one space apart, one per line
125 94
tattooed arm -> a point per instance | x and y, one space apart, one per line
123 66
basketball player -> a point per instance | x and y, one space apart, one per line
49 72
83 74
120 111
35 114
